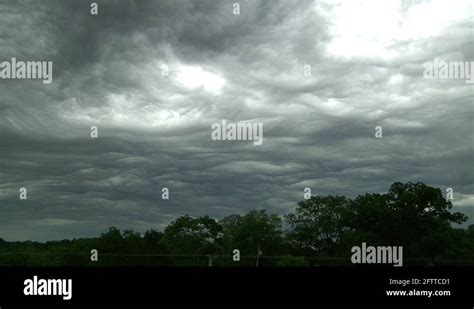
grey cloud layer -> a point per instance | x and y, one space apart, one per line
154 131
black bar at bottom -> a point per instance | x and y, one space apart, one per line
186 285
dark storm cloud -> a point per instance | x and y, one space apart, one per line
154 130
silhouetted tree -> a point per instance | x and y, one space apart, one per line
316 227
251 231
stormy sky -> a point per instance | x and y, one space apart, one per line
366 61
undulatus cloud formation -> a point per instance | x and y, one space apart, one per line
153 76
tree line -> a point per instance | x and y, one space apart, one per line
321 231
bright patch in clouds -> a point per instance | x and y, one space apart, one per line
194 77
368 28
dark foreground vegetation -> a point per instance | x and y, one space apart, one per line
321 231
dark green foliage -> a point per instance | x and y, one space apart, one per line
316 227
252 230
